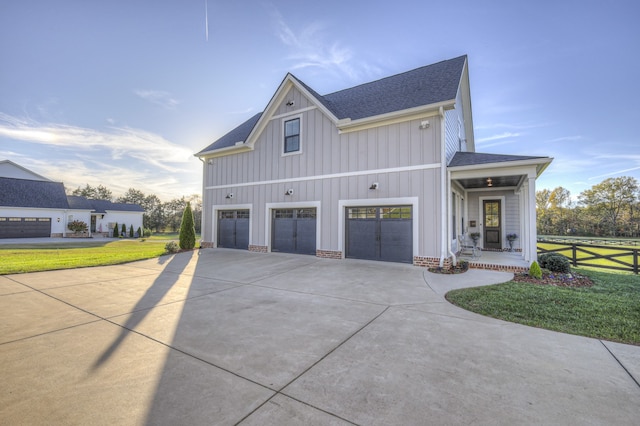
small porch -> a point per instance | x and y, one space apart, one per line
492 197
497 261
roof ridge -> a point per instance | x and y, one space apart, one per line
394 75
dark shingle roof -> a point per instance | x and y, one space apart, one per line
79 203
32 193
476 158
238 134
101 206
422 86
51 195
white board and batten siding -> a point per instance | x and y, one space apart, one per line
331 167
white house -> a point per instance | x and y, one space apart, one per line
34 206
386 170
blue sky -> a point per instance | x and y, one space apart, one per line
123 93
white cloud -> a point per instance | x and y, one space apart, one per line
309 48
119 157
565 139
505 135
158 97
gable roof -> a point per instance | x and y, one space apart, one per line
32 193
10 169
422 86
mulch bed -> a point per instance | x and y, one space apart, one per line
461 267
556 279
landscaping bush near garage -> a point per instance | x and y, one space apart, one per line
606 310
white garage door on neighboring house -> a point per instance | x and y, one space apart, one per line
294 230
25 227
233 229
380 233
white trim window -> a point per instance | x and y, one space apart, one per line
292 131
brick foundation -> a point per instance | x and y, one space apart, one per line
502 268
329 254
206 244
258 249
430 262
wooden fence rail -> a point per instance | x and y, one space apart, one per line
596 256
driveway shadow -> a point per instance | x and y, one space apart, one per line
154 294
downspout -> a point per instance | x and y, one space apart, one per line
204 166
452 225
444 185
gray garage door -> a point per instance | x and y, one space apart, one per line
380 233
25 227
294 231
233 229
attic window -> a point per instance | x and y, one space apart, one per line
292 136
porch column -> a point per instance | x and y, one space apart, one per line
533 234
522 230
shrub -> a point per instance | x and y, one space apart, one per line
187 229
147 232
555 262
131 231
77 226
171 247
115 231
535 271
123 231
139 232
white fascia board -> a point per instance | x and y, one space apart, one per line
224 151
509 167
288 82
347 125
467 111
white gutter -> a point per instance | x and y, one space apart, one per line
451 224
444 185
204 166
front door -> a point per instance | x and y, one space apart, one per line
492 225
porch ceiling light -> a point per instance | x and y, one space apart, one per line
489 182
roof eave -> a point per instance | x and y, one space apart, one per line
347 125
237 148
541 164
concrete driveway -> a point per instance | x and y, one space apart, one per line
232 337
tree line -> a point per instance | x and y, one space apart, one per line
158 216
610 208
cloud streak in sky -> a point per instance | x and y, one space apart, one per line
158 97
309 48
119 141
118 157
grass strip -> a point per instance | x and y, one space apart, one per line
609 310
38 257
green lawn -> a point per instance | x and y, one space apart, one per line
609 310
45 257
